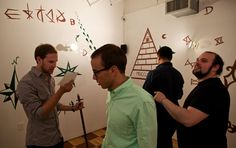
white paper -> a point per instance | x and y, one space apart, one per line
68 77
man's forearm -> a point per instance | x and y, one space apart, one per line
49 105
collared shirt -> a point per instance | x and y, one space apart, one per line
131 118
33 90
167 79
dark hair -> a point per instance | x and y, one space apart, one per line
111 55
217 61
43 49
165 52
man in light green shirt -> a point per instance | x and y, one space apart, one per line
131 111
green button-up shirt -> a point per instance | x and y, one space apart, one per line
131 118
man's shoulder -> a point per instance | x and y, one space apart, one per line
29 77
139 91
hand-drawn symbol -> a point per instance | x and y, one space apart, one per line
15 61
86 36
208 9
187 40
84 52
64 70
92 2
10 89
219 40
189 63
231 127
12 14
28 12
194 82
232 74
72 22
146 59
163 36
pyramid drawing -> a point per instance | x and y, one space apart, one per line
146 59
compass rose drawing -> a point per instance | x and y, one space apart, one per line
10 89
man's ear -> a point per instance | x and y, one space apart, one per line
38 59
215 68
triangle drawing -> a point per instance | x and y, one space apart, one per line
146 59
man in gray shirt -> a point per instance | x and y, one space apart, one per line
36 91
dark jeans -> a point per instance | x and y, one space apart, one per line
166 128
59 145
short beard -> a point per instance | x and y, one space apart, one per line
201 75
45 70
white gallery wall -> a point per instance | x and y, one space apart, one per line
77 23
26 24
213 31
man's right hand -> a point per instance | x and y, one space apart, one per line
67 87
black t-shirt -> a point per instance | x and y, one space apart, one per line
211 97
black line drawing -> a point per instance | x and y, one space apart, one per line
231 127
227 80
64 70
10 89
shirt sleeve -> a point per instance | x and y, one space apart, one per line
147 84
28 96
146 126
151 83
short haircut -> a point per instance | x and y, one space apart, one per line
165 52
217 61
43 49
111 55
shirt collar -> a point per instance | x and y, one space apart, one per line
124 85
39 73
166 63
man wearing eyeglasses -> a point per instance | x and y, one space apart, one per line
131 111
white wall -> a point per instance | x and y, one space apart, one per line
201 28
101 21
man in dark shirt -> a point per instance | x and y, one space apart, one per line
204 116
167 79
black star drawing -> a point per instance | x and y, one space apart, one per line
10 89
64 70
230 77
231 127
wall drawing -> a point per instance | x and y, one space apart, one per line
92 2
85 35
146 59
42 15
230 77
64 70
53 16
10 88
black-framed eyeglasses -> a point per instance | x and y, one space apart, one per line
98 71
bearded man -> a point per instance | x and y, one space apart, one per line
204 116
36 92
